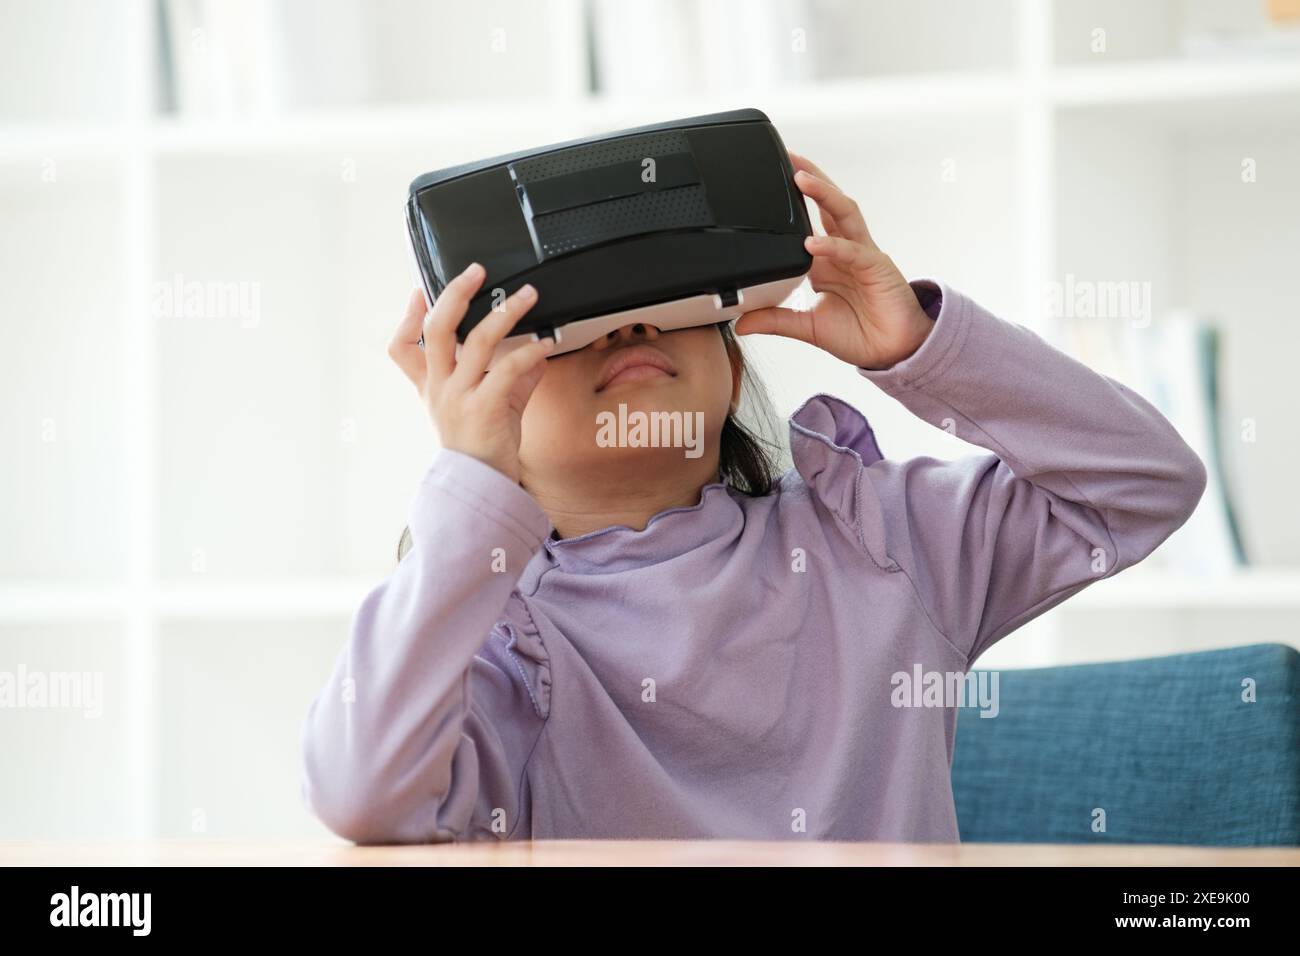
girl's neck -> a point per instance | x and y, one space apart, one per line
578 506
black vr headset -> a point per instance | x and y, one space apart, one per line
677 224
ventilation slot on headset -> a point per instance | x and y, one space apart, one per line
587 195
572 229
579 159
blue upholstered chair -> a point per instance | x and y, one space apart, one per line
1167 747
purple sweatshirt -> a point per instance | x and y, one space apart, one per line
729 671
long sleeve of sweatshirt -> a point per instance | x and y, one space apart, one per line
420 733
1083 478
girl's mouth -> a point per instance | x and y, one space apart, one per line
635 363
635 373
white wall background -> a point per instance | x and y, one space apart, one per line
194 505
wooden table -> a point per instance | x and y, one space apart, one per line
207 852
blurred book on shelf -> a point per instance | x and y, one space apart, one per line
1280 44
1284 11
685 46
223 58
1173 362
239 59
1276 36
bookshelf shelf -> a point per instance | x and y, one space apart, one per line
1209 90
402 126
1156 82
1246 590
331 599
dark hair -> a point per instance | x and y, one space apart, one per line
747 461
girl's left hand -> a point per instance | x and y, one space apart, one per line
865 312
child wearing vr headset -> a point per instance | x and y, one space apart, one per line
618 640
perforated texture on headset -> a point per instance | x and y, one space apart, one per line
578 158
573 229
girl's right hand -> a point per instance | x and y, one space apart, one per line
475 411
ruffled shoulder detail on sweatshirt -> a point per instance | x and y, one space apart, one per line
832 444
527 652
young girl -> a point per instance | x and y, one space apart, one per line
599 642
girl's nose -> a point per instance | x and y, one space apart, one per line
635 330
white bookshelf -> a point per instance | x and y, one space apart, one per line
218 498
